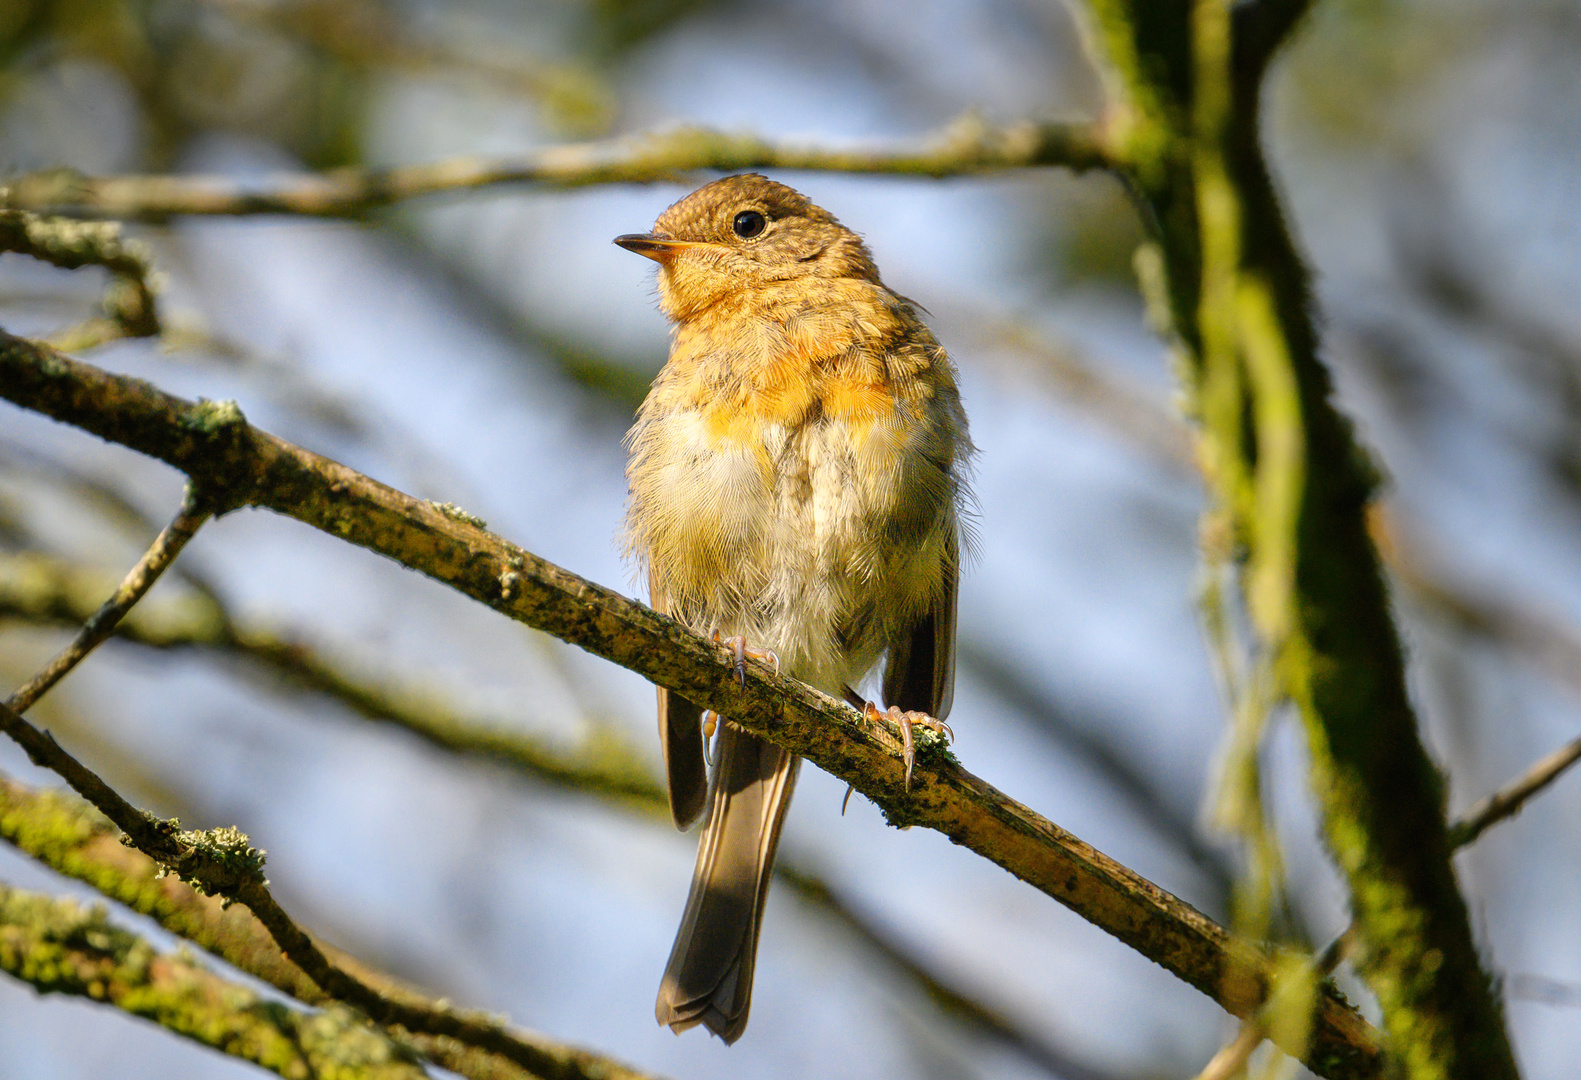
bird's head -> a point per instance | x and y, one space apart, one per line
743 233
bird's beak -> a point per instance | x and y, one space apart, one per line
661 249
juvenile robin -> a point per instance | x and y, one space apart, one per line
796 484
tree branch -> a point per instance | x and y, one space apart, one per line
966 147
247 466
221 862
58 947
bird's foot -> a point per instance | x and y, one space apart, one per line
745 652
908 739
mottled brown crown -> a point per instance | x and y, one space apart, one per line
799 236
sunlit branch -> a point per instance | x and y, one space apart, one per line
45 590
213 443
966 147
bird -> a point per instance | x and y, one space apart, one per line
798 483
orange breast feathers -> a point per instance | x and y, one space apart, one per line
785 359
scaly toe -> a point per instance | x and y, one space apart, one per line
744 652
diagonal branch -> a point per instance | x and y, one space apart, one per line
246 466
966 147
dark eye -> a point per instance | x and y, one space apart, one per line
748 224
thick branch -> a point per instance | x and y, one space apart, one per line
966 147
251 467
1241 308
59 947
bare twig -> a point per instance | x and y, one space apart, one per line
1232 1057
965 147
167 545
1507 801
243 465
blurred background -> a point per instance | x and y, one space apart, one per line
489 351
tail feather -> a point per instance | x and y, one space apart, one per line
709 977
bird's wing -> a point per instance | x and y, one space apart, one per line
919 675
681 737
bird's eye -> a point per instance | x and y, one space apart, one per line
748 223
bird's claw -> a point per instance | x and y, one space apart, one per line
743 652
908 739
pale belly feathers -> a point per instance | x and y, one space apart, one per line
820 540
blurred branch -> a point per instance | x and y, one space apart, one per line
247 466
1551 645
130 309
1547 991
218 861
1036 1047
59 947
102 623
41 588
966 147
70 837
1061 368
370 36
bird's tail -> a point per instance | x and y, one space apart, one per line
709 976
